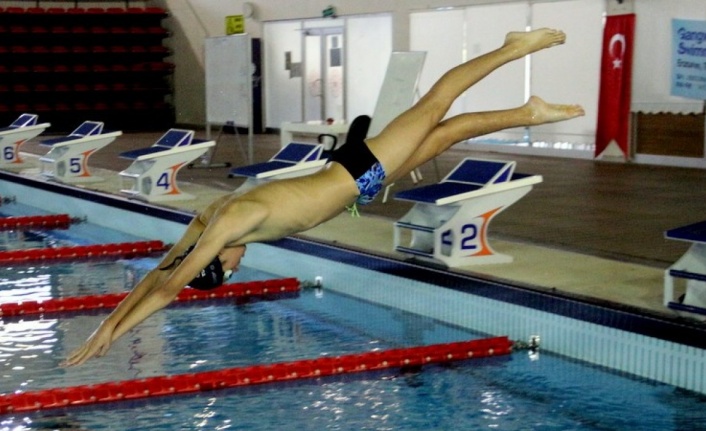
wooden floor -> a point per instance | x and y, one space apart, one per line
604 209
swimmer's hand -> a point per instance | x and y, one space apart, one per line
96 345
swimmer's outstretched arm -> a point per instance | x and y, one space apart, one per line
229 224
99 342
210 234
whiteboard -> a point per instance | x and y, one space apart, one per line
229 72
399 88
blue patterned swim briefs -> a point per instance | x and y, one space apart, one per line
364 167
370 183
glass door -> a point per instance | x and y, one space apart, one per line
323 68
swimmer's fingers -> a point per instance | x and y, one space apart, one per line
97 345
79 356
84 353
102 350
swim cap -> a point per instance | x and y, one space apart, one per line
211 276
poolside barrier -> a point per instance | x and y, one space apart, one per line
252 375
249 289
124 250
50 221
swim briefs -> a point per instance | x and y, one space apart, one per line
364 167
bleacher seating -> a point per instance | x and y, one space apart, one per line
449 221
61 47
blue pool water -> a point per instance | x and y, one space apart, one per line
516 392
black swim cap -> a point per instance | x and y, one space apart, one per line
211 277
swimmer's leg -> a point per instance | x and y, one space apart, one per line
466 126
400 139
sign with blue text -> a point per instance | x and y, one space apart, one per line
689 59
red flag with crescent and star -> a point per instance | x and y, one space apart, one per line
612 131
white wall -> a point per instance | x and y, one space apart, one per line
453 36
652 79
569 73
193 20
366 67
283 94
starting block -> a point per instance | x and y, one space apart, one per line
293 160
691 268
153 172
67 160
449 220
21 130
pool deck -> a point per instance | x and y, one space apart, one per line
591 229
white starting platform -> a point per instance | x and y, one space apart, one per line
690 269
293 160
21 130
67 160
152 176
313 128
449 221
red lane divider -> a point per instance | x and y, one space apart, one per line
111 300
51 221
253 375
124 250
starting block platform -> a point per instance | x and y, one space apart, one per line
24 128
67 160
449 220
690 269
152 176
293 160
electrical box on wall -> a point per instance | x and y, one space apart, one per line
235 24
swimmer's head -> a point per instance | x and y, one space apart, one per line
211 276
214 274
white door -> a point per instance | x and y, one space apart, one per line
323 72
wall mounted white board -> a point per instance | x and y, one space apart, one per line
228 80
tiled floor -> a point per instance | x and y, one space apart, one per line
590 229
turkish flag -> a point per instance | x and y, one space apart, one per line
616 73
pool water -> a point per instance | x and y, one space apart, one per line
515 392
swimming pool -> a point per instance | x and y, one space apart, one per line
367 303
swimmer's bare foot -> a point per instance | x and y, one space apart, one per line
523 43
542 112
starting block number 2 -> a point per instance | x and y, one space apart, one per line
468 240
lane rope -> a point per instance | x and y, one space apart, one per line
48 221
121 250
252 375
251 289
